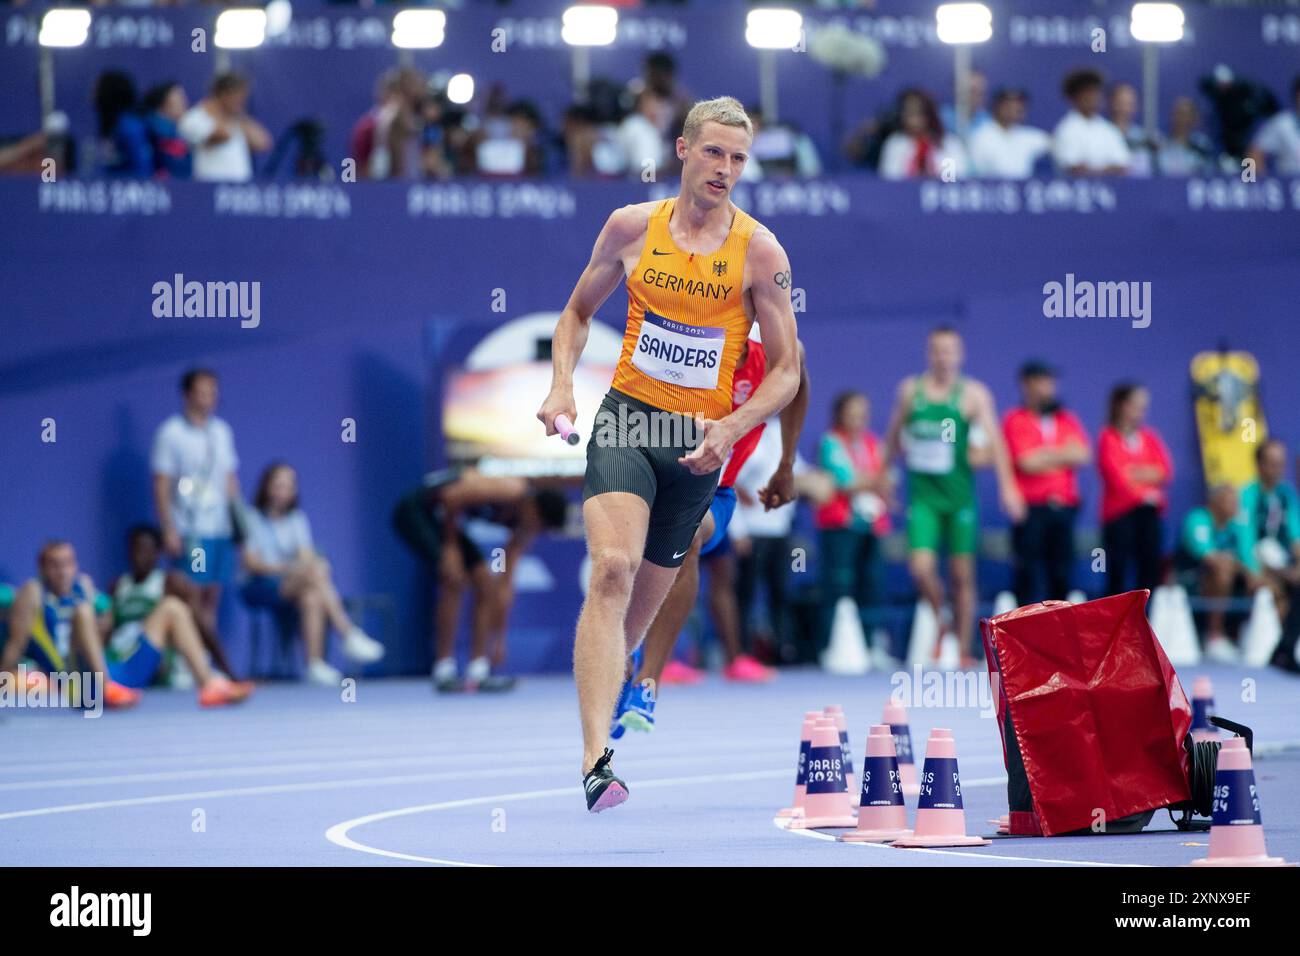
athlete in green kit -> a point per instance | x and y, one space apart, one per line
944 426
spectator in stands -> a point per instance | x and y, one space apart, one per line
977 91
920 148
54 628
284 573
1216 560
1186 151
639 136
435 155
1270 511
149 624
1006 148
365 143
221 134
852 522
164 105
1123 113
780 150
1135 472
1048 446
123 140
430 520
195 480
1276 146
1084 142
511 144
659 76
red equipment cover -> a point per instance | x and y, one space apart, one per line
1098 714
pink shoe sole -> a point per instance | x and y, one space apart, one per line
612 797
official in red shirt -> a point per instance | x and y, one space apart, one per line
1047 445
1135 471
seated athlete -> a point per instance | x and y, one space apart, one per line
430 520
149 618
636 703
59 616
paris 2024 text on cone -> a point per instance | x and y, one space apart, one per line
836 713
1237 830
826 800
896 716
940 818
801 771
882 816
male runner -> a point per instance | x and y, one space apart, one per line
636 705
699 272
931 426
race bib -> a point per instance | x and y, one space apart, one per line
687 355
930 456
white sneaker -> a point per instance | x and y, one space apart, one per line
361 647
949 653
1222 651
319 672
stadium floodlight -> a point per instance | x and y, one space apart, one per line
773 28
1156 22
1151 25
586 25
963 22
767 30
460 89
61 27
589 25
961 26
240 28
419 29
279 14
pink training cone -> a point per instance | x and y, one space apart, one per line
836 713
896 716
1203 710
940 818
882 817
1236 833
801 772
826 799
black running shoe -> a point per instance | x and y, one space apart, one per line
604 790
495 684
449 685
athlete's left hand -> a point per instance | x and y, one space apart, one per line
711 453
779 489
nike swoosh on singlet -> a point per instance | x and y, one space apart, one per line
676 556
656 252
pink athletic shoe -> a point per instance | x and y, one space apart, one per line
744 669
675 672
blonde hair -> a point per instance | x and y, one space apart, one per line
723 109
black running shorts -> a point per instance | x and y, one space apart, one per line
634 448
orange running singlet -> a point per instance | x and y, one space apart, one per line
686 323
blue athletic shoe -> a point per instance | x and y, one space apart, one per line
616 728
639 714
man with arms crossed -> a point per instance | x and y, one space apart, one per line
699 273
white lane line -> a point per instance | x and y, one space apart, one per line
338 834
507 757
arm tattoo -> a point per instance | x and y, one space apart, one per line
782 279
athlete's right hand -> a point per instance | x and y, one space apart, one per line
558 402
